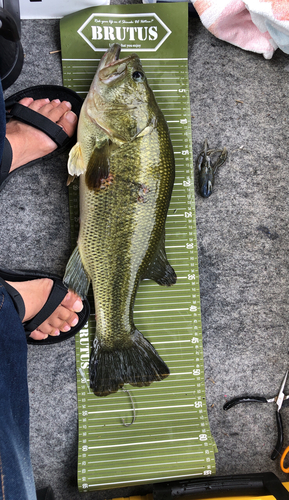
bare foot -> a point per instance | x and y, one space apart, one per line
29 143
35 294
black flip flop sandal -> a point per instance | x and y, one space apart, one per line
26 115
58 292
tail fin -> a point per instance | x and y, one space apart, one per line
139 364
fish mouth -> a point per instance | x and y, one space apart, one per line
110 56
112 68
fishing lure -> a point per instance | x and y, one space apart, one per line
207 168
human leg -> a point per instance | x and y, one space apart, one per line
2 121
16 477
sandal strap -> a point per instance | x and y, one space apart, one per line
31 117
6 161
57 294
16 298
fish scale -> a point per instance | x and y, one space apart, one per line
127 172
113 218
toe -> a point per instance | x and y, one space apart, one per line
37 335
53 110
68 122
36 105
64 320
72 302
26 101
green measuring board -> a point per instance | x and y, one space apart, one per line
170 435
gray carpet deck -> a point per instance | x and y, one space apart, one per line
243 256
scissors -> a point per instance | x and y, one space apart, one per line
281 401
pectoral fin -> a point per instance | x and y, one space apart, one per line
148 129
160 269
98 166
145 131
76 164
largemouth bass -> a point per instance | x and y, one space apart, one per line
125 160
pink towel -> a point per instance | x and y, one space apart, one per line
256 25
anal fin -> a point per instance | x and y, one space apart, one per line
160 269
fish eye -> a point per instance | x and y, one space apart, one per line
138 76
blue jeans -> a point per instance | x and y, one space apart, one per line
2 121
15 466
16 476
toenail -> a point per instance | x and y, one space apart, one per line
56 100
66 328
70 116
78 305
68 104
56 333
74 322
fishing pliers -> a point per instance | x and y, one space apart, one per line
281 401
